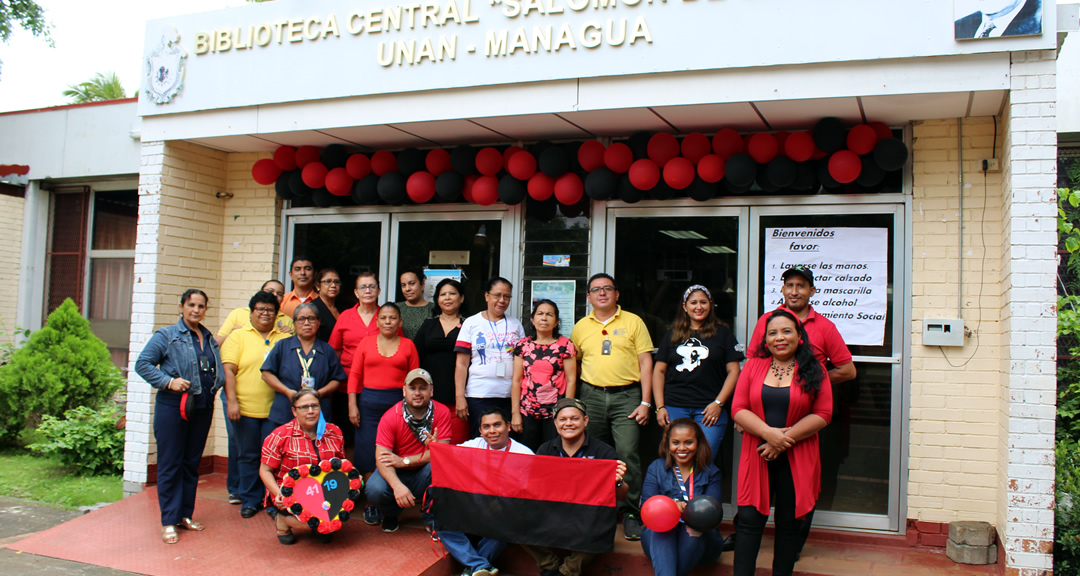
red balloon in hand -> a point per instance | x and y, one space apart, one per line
660 513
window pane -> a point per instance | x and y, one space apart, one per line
348 247
116 216
111 285
426 244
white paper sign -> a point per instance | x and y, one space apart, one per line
850 267
433 279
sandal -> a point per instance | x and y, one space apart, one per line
286 537
189 524
169 535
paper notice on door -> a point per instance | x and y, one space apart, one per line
851 274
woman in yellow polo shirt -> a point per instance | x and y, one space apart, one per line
249 397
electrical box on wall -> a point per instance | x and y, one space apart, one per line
943 332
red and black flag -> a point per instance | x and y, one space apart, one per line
537 500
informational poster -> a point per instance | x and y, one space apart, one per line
561 292
850 267
433 279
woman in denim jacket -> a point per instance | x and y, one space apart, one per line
183 363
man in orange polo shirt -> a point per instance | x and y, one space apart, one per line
302 273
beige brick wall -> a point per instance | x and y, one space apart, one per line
955 391
11 215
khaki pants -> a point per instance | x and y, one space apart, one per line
572 565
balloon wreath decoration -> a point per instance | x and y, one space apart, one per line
322 495
658 166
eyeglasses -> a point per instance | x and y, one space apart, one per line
264 311
306 408
599 289
499 297
307 320
277 293
331 282
367 287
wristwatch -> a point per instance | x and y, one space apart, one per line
406 461
718 403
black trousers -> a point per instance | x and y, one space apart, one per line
750 524
180 446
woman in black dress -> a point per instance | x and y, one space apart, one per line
435 341
328 285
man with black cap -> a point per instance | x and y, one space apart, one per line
573 442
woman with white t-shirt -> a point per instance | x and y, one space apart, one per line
485 356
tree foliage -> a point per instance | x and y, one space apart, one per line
61 367
25 14
100 88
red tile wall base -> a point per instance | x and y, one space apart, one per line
922 534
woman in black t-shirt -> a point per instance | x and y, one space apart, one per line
696 367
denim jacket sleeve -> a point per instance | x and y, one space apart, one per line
153 359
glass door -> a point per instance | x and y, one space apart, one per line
351 244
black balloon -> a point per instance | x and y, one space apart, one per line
573 210
825 177
449 185
282 186
890 154
296 508
571 149
313 523
512 191
410 160
286 491
314 470
463 159
366 190
806 179
392 188
740 170
763 182
628 192
703 513
554 162
601 184
353 474
538 148
297 186
639 144
781 171
294 474
701 190
344 515
323 198
830 135
871 174
334 156
335 463
735 189
661 191
542 210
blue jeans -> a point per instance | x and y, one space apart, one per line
232 479
482 555
676 553
250 433
713 434
381 494
372 404
180 446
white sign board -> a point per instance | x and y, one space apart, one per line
851 273
433 277
562 293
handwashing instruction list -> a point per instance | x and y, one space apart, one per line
851 275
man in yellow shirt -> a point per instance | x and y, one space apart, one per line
615 352
248 397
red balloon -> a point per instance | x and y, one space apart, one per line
799 146
541 186
509 153
420 186
618 157
727 143
660 513
265 171
358 166
285 158
818 153
679 173
591 155
695 146
306 155
861 139
845 166
644 174
470 181
662 148
881 129
521 165
711 168
781 140
569 189
437 161
486 190
339 182
383 162
489 162
314 174
763 147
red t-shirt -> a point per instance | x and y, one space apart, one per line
349 331
395 436
825 339
373 370
804 457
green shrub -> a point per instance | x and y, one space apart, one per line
86 441
1067 509
61 367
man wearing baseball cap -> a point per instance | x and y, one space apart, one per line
402 458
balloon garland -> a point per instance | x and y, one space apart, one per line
660 166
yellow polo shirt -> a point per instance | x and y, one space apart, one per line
241 316
247 349
629 337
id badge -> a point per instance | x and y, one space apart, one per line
307 382
606 350
500 369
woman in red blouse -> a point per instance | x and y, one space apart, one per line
291 445
782 399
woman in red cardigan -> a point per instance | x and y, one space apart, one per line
782 399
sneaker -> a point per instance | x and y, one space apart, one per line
489 571
372 516
234 499
390 524
632 527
